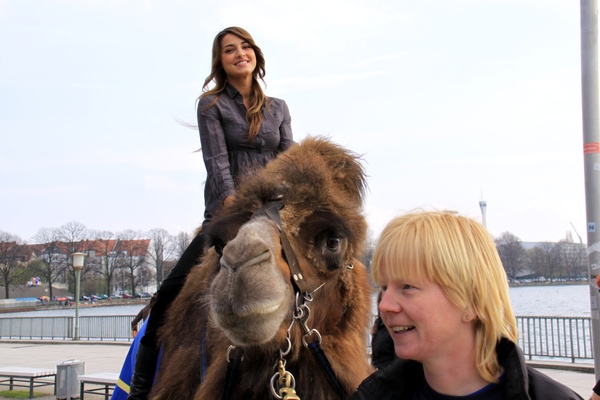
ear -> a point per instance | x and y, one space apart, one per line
469 315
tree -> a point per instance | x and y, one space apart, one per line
12 259
369 250
512 254
554 261
134 250
538 259
181 241
74 236
105 245
50 256
572 258
160 252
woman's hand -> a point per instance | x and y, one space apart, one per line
595 396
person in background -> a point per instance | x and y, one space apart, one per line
596 392
241 130
445 302
382 346
142 315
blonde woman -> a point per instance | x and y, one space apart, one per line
446 305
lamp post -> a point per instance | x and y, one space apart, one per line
78 265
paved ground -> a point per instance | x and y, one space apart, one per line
109 356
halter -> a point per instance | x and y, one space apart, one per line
282 382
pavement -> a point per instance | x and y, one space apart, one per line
109 356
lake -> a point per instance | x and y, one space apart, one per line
563 300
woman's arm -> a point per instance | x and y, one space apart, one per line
285 129
214 150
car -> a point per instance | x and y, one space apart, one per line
127 296
84 298
143 295
116 296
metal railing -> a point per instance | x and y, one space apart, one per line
106 327
556 338
540 337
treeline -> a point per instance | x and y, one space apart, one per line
130 260
564 260
124 261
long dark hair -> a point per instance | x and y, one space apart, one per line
218 75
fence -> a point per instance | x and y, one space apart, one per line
108 327
540 337
557 338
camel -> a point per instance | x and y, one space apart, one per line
280 305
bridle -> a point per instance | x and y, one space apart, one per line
282 382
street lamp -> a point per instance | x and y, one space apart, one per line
78 265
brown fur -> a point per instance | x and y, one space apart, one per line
322 186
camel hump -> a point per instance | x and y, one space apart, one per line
342 166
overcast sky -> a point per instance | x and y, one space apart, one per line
448 102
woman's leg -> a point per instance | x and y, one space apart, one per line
145 364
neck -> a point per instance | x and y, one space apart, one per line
454 375
243 85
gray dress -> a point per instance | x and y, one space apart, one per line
226 151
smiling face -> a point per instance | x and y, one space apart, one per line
424 325
237 57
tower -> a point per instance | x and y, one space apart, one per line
483 205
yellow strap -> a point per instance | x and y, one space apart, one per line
123 385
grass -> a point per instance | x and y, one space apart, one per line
19 394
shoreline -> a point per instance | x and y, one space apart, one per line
86 304
547 283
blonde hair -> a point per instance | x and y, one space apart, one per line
459 255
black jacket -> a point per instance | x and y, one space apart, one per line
399 380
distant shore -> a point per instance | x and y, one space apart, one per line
547 283
82 304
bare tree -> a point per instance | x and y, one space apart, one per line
51 260
105 245
11 260
554 262
161 250
134 249
538 259
512 254
369 250
572 255
75 238
181 241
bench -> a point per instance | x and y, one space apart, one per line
28 378
103 384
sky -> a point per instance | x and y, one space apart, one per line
447 102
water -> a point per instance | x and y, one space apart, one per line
564 300
130 309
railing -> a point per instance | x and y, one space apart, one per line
107 327
556 338
540 337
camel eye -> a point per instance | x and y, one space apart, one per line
333 243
